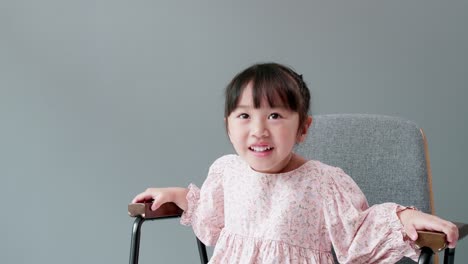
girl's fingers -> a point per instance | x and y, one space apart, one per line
151 194
449 228
452 235
412 233
156 204
144 196
140 198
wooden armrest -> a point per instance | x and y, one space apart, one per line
436 240
432 240
144 210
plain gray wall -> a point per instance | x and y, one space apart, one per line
101 99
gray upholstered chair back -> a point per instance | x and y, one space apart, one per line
384 155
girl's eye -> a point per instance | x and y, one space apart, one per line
243 116
274 116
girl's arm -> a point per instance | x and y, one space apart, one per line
359 233
160 196
203 208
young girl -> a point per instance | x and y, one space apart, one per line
270 205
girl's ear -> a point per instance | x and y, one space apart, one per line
302 133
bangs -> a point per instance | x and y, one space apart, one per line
271 85
275 91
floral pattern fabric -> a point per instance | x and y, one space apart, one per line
292 217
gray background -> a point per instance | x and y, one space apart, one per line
101 99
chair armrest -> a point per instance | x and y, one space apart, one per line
436 240
144 210
431 239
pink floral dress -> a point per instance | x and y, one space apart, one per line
292 217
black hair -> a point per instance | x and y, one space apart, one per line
278 84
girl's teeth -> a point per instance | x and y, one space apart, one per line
260 149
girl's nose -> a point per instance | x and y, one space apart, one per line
259 130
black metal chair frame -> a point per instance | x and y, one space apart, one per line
136 235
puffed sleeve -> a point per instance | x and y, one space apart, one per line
205 210
359 233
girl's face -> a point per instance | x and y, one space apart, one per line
264 137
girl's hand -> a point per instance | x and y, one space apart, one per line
160 196
414 220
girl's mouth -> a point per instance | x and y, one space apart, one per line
260 149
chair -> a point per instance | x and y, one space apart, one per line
386 156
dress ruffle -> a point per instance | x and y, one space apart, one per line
235 248
193 196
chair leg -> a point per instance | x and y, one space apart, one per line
202 252
135 244
426 256
449 256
